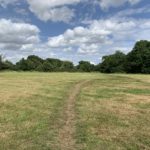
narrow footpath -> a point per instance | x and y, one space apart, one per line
67 132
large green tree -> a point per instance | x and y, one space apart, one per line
30 64
138 60
34 61
113 63
7 65
85 66
67 66
47 66
55 63
22 65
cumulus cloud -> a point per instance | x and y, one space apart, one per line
60 10
91 41
77 36
88 49
100 33
54 10
17 36
133 11
105 4
4 3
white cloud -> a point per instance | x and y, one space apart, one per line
4 3
133 11
105 4
88 49
17 36
77 36
102 34
54 10
21 11
91 41
59 10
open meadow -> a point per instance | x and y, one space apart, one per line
74 111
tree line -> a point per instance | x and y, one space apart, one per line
136 61
35 63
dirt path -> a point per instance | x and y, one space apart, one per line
66 133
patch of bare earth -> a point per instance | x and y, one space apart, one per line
67 132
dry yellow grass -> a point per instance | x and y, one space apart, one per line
31 106
112 112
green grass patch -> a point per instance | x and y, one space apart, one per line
112 112
109 118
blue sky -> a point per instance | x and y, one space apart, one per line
71 29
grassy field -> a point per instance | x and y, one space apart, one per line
74 111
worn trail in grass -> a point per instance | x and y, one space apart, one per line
32 106
67 132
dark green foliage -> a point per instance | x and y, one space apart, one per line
113 63
34 63
7 65
67 66
47 66
85 66
55 64
22 65
138 60
1 64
